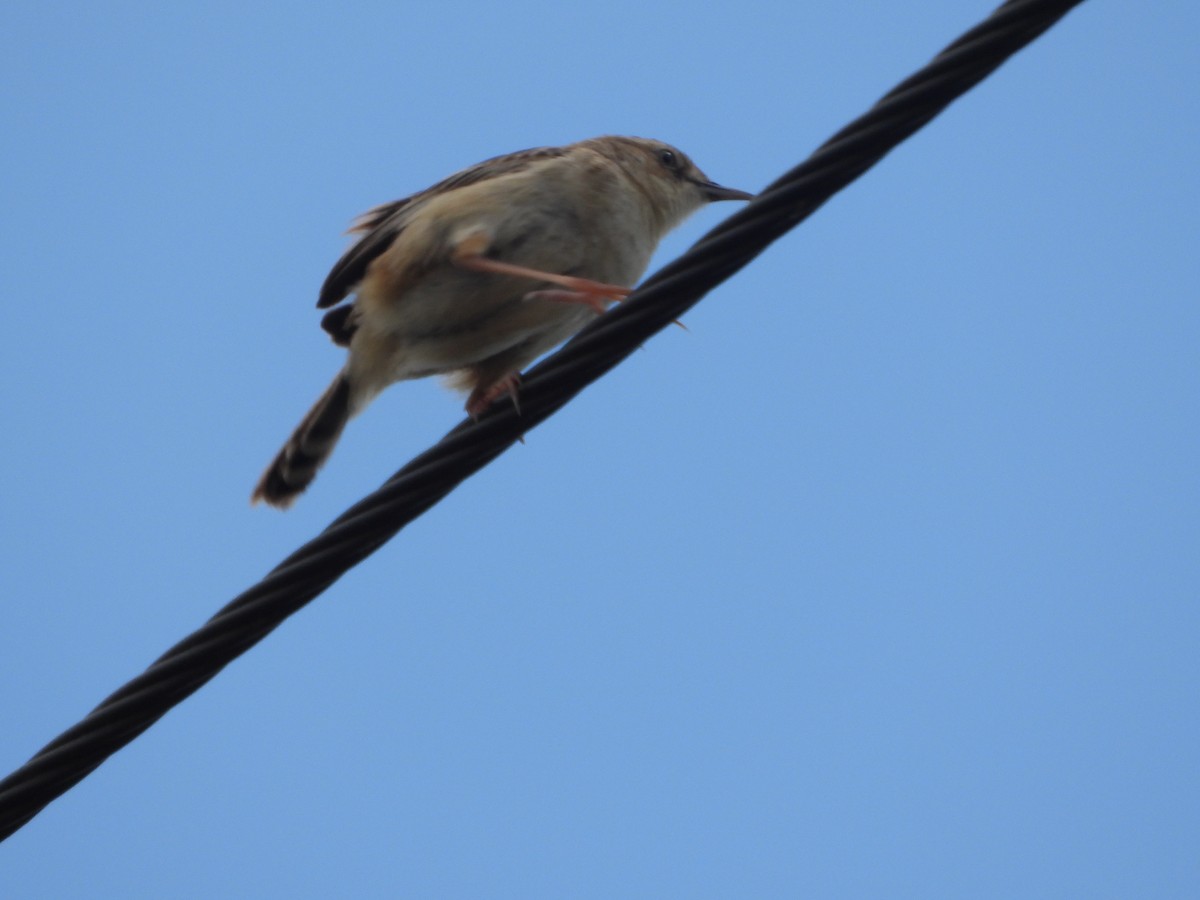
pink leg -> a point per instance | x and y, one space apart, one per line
484 396
468 260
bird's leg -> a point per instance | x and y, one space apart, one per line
468 254
598 302
584 287
485 395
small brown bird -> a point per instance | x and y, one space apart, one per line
477 276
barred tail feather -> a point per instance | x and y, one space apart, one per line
307 449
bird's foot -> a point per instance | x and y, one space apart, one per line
484 396
597 302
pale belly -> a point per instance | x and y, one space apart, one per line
454 319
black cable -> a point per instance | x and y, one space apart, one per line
367 525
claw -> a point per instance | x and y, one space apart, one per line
483 397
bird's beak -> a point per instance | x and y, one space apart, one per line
715 192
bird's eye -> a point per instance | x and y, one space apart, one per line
668 159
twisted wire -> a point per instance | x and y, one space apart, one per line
666 296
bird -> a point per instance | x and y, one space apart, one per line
479 275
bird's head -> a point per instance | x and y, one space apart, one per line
673 184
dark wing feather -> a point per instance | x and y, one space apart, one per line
383 224
348 271
376 216
337 323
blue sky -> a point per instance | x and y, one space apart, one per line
881 580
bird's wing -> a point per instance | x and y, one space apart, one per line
381 225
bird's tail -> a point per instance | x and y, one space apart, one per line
296 465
